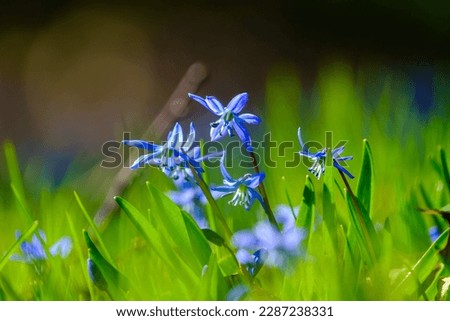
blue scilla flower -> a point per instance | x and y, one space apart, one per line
243 188
264 244
174 156
230 121
318 159
190 198
34 251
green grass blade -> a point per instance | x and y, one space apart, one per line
364 231
425 265
16 180
171 218
17 243
154 240
365 189
445 168
305 217
199 243
116 282
93 227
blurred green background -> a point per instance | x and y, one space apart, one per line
74 74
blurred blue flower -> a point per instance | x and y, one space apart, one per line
190 198
174 156
264 244
229 120
433 232
34 251
318 158
243 188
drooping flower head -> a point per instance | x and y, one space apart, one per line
243 189
319 158
230 121
173 157
265 244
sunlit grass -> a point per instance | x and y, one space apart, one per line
151 250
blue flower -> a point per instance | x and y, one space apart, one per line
190 198
243 188
34 251
318 159
174 156
264 244
229 121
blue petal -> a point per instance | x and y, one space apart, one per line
33 250
254 180
244 239
344 158
62 247
190 139
144 159
142 144
237 293
237 103
342 169
224 189
337 151
250 119
211 106
243 134
219 131
299 134
224 171
177 137
255 196
215 104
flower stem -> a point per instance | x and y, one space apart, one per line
212 202
262 190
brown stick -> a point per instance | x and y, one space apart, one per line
175 108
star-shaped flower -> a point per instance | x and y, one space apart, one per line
230 121
243 188
174 156
318 159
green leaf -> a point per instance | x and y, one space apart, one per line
171 218
213 237
199 243
93 227
365 189
363 229
305 217
17 243
445 168
228 265
109 272
154 240
15 177
425 265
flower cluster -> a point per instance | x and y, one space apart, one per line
267 244
275 242
35 252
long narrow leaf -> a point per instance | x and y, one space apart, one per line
365 189
305 217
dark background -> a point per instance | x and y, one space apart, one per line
74 74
